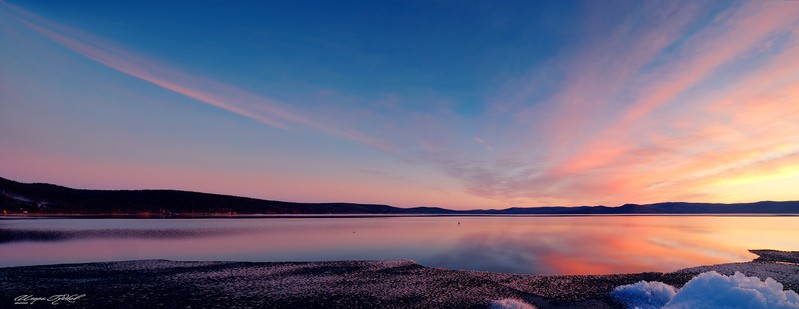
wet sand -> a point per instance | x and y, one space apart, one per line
337 284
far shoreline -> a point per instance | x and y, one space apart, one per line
51 200
366 215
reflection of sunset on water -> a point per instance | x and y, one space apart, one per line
599 245
541 245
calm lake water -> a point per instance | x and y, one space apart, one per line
538 245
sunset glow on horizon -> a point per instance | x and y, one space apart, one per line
457 105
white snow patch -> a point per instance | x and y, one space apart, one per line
713 290
509 303
644 294
709 290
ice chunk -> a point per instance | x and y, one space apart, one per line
509 303
644 294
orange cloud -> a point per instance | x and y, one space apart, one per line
677 154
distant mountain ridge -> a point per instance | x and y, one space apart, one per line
40 198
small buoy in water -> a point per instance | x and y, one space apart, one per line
459 223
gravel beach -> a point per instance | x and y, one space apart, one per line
336 284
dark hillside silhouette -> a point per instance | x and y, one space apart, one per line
39 198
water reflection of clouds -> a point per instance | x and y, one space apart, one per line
491 252
18 235
633 245
540 245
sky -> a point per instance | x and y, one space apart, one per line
456 104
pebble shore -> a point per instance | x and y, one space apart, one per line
336 284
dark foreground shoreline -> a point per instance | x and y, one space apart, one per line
337 284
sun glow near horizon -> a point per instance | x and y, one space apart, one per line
459 106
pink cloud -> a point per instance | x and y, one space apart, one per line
603 71
626 159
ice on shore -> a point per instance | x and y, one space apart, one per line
644 294
709 290
713 290
509 303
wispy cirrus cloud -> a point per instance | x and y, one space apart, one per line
232 99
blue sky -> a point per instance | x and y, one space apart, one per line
454 104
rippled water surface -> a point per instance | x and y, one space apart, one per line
542 245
